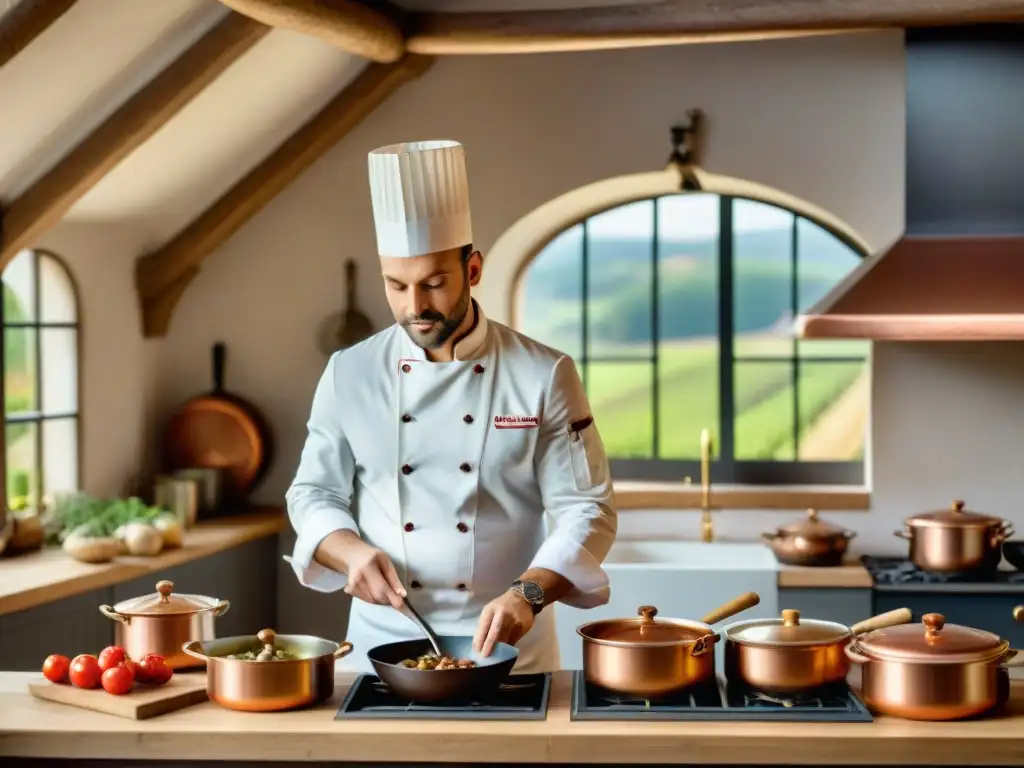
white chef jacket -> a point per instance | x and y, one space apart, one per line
449 468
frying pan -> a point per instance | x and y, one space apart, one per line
349 326
435 686
223 431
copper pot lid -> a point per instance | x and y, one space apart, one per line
814 528
787 631
931 641
954 517
644 630
164 602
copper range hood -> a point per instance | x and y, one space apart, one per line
957 274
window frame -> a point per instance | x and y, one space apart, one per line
37 417
727 470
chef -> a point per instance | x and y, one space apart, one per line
449 459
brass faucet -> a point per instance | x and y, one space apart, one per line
707 529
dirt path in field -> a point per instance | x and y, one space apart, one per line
838 432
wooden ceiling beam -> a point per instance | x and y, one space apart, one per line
44 203
25 22
161 277
683 21
354 27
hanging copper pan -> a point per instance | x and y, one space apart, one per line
220 430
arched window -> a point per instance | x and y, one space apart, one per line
40 338
677 310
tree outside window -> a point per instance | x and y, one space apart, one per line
40 337
678 311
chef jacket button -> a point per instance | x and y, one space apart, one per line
409 527
415 584
406 418
464 466
406 469
478 368
468 419
462 587
463 528
406 368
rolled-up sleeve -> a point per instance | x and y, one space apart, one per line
320 497
576 488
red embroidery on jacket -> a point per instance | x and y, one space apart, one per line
516 422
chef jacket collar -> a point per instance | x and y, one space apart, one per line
469 347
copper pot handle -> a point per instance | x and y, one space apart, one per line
902 535
887 619
343 650
769 536
1012 658
856 658
704 644
1005 531
110 613
221 608
190 648
741 603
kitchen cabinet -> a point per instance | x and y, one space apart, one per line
245 575
842 605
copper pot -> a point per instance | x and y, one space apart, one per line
160 622
955 540
272 685
810 542
933 670
649 657
790 654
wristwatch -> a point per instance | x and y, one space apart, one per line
531 592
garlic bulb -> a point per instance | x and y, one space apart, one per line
143 539
91 549
170 530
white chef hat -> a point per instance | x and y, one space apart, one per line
420 198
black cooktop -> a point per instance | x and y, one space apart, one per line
719 701
520 697
900 573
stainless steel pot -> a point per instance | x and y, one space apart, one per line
955 540
162 622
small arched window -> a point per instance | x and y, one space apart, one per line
677 310
41 380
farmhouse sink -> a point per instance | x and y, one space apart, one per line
682 579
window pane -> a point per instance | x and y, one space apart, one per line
56 293
620 256
687 397
59 370
550 308
20 390
19 289
834 400
822 261
21 464
60 456
764 422
762 279
620 396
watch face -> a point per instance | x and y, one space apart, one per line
532 592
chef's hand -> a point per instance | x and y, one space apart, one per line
506 619
371 575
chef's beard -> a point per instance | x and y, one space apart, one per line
444 327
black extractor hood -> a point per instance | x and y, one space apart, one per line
957 274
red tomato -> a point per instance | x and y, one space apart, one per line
111 656
154 669
55 668
117 680
132 667
85 671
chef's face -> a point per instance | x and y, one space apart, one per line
430 295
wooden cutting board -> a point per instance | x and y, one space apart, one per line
142 702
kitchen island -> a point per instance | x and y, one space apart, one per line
30 728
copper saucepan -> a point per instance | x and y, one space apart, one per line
266 684
956 540
933 670
649 657
810 542
791 654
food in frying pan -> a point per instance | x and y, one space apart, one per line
433 661
267 654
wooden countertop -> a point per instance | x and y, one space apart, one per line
40 577
849 575
33 728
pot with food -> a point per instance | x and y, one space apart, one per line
956 540
654 657
933 670
161 622
414 671
268 672
811 542
792 654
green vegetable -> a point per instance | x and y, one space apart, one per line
97 518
